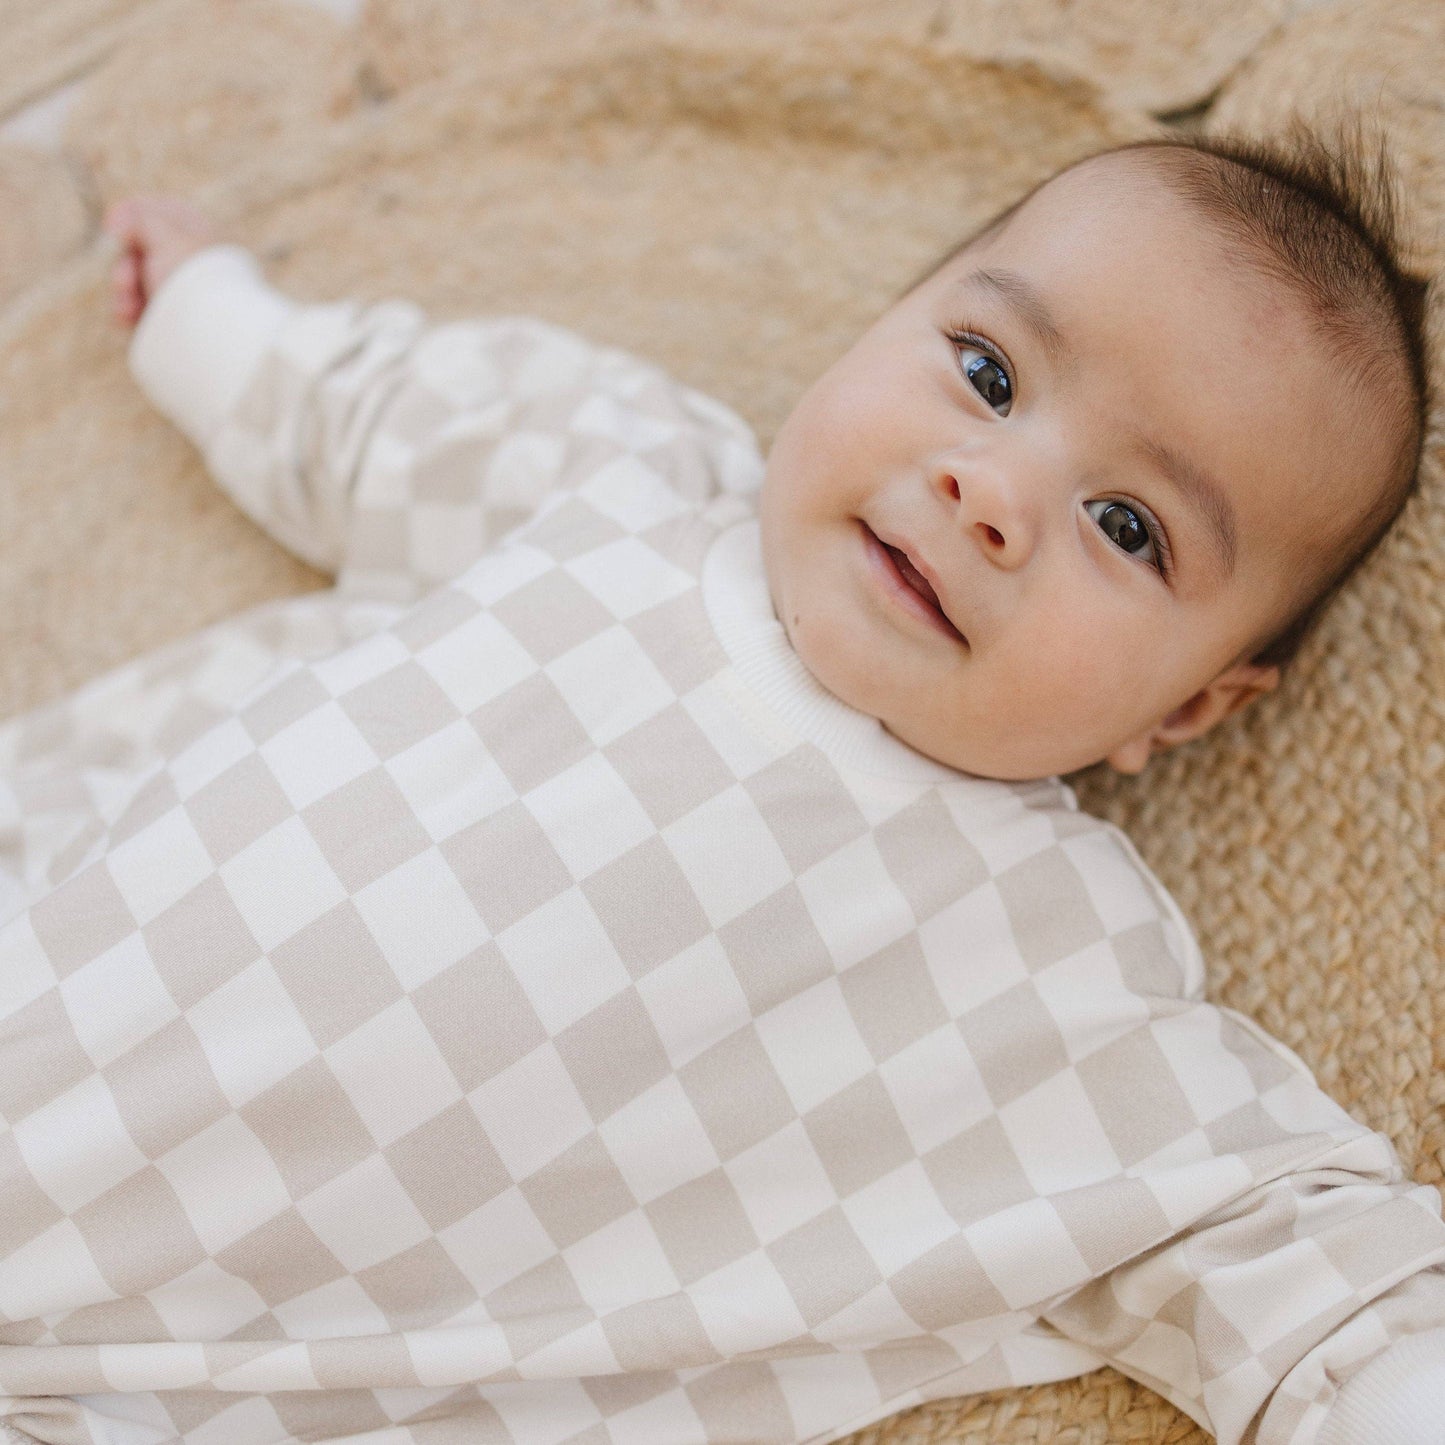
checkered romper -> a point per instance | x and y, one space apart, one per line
504 999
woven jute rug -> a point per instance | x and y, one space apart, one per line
735 190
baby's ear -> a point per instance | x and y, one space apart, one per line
1230 691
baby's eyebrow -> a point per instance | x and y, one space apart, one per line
1198 489
1024 300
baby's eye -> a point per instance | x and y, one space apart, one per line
986 373
991 382
1124 527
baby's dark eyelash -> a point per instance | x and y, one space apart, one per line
1163 555
1161 548
962 337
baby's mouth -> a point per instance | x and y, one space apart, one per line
913 576
896 564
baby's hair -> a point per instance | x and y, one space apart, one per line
1320 216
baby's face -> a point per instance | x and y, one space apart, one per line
1115 486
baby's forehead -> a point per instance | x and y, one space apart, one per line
1094 213
1114 188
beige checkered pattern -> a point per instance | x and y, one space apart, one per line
447 1010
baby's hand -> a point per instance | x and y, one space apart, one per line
156 234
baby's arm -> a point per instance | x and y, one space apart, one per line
1305 1309
372 444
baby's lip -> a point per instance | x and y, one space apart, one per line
899 543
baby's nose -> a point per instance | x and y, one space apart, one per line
989 509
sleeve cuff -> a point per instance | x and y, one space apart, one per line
201 335
1397 1399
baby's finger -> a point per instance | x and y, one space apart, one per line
128 297
125 275
121 219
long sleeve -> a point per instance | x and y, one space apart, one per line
1329 1271
1397 1399
392 451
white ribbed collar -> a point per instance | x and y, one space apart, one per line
735 593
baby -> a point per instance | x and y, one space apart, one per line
622 965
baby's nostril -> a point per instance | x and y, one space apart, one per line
994 535
953 487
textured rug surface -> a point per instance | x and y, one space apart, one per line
736 189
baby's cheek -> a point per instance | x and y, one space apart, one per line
854 407
837 660
870 410
816 471
1061 683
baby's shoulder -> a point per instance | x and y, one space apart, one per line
1073 885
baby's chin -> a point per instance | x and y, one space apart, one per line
999 757
978 763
